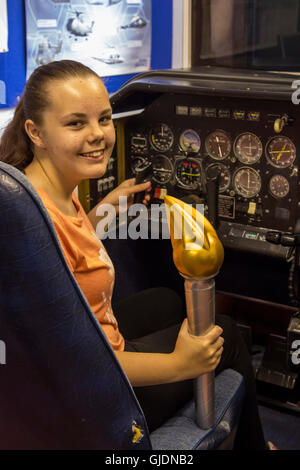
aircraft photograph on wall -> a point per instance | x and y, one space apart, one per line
112 37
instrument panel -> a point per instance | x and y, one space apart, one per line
182 136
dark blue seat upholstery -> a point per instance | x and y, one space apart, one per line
61 385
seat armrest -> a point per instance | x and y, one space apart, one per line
181 431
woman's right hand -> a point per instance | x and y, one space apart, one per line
192 356
196 355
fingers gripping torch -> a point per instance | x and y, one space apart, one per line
198 255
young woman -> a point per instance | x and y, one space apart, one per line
62 133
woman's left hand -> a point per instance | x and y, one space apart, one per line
128 189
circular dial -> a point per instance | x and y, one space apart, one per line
162 137
188 173
162 169
218 145
138 164
224 182
279 186
248 148
247 182
281 152
189 141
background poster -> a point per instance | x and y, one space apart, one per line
3 27
112 37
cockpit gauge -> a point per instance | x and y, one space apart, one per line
189 141
138 164
247 182
162 137
281 152
162 169
248 148
279 186
218 145
138 142
188 173
224 181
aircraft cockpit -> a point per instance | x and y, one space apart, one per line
205 99
226 138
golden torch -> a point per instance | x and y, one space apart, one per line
198 255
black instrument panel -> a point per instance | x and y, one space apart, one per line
183 135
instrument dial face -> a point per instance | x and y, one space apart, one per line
162 169
188 173
248 148
281 152
218 145
189 141
138 164
279 186
162 137
224 182
247 182
139 142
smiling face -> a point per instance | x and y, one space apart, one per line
76 137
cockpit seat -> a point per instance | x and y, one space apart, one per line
61 385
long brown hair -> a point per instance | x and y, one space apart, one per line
16 147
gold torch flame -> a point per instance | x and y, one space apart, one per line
197 250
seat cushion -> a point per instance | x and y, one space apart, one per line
181 431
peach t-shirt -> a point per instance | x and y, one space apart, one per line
89 263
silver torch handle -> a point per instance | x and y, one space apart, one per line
200 304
